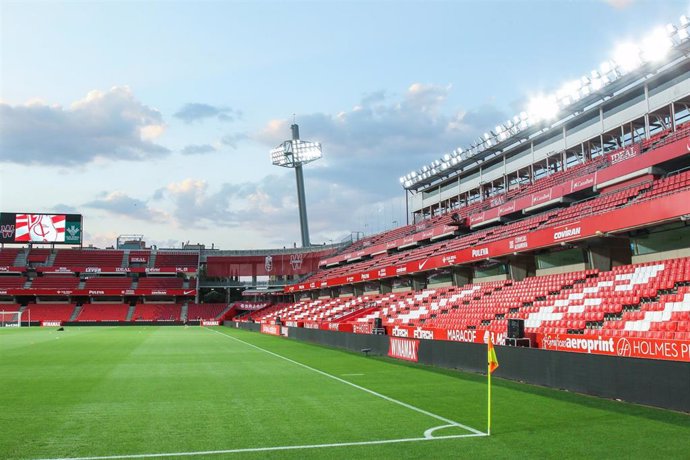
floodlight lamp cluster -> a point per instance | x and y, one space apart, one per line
627 58
295 152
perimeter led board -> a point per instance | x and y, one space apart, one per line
40 228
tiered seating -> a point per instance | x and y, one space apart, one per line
108 282
258 315
48 312
157 312
645 300
468 306
320 310
10 307
669 185
177 259
393 304
666 137
38 256
103 312
251 305
160 282
88 258
556 178
10 282
55 282
7 256
623 302
598 205
139 257
204 311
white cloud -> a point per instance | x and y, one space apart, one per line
197 111
121 204
619 4
197 149
382 137
353 188
109 125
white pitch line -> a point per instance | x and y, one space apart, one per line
367 390
269 449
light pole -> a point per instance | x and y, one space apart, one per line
293 154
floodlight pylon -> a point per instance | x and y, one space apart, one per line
293 154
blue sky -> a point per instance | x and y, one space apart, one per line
157 117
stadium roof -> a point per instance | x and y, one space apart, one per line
631 65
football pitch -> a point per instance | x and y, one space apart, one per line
145 392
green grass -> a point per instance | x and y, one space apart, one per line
145 390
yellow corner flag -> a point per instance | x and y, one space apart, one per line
492 363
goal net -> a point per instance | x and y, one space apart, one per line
10 318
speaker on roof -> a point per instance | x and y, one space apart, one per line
516 328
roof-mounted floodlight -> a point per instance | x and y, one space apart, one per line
627 58
656 45
542 108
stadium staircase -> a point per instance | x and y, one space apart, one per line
75 313
20 259
130 312
225 311
152 259
51 259
357 314
125 259
183 312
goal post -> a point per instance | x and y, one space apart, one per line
10 318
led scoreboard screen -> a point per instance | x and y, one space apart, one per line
40 228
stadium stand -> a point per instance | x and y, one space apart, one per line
156 312
103 312
259 315
108 282
88 258
319 310
38 256
48 312
12 281
205 311
160 282
55 282
640 300
177 259
8 256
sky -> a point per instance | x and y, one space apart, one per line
157 118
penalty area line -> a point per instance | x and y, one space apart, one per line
272 449
359 387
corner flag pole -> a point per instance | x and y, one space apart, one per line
492 364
